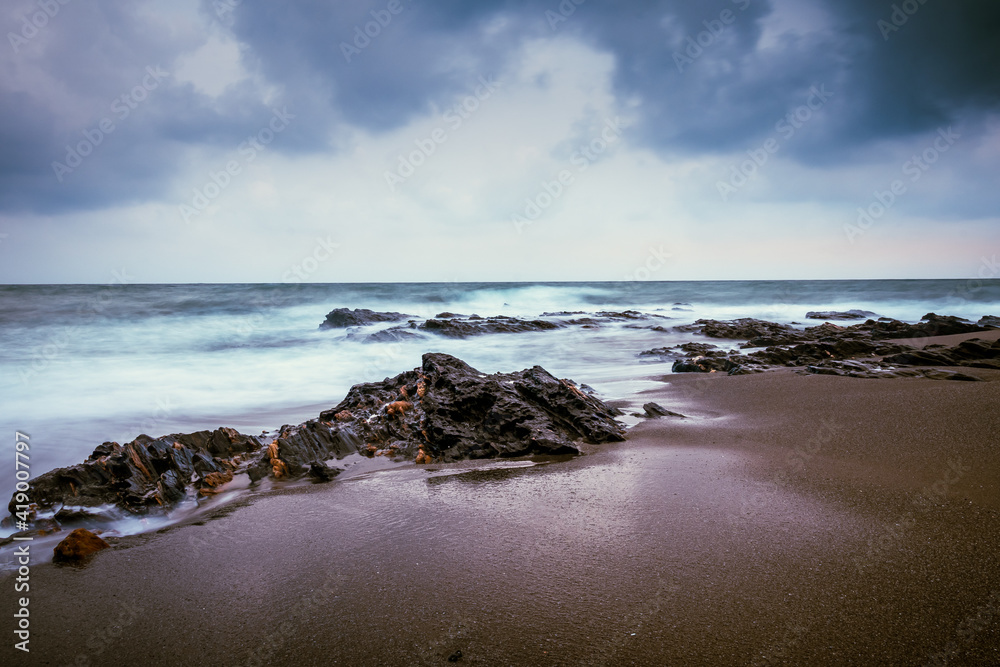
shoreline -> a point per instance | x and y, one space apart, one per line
748 533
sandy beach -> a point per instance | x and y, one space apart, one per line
790 519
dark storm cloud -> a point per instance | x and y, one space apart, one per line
98 79
724 94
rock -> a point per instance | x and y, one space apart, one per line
393 335
989 322
742 329
455 657
322 472
973 353
143 474
465 328
685 350
655 411
841 315
340 318
930 325
456 412
78 546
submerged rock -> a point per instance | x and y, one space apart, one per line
841 315
456 328
340 318
742 329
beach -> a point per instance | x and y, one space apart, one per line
789 519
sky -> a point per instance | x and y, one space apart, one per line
498 140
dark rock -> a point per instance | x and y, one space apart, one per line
322 472
989 322
832 349
628 315
973 353
340 318
393 335
684 350
655 410
447 316
447 410
466 328
709 365
78 546
742 329
455 657
841 315
930 325
143 474
564 313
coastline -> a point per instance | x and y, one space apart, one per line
753 532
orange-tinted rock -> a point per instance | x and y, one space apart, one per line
215 479
77 546
398 407
343 416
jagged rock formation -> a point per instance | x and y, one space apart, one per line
443 411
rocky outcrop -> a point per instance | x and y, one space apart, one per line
443 411
929 325
868 349
742 329
446 410
340 318
78 546
973 353
145 473
841 315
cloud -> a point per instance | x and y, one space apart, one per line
699 85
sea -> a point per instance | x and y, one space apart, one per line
85 364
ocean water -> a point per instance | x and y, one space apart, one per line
85 364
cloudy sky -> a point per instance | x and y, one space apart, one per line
401 140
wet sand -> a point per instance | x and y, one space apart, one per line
790 520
